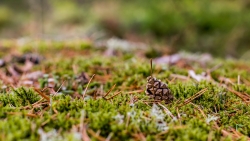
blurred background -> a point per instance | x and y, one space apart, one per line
219 27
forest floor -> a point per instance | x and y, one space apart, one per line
84 90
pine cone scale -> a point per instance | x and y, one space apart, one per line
158 90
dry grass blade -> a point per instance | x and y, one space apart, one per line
109 136
28 114
92 133
109 91
34 104
246 82
201 111
139 137
114 95
31 115
85 136
215 68
136 91
182 77
198 94
42 94
60 87
151 101
85 91
245 97
225 133
236 132
151 66
167 111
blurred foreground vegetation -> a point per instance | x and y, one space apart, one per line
219 27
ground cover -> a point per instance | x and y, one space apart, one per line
83 90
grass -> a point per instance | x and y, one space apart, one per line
26 114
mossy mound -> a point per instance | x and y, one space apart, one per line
56 106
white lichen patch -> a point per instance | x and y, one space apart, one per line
159 116
211 118
119 118
52 135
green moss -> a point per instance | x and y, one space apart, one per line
124 116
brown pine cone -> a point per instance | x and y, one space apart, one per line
158 90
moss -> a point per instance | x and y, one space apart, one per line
26 96
127 116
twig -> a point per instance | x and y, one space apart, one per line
139 136
202 112
109 91
136 91
42 94
48 120
109 136
92 133
215 68
114 95
85 136
28 114
246 82
225 133
238 79
31 115
127 122
87 86
245 97
183 77
178 114
167 111
60 87
34 104
236 132
172 80
198 94
151 67
151 101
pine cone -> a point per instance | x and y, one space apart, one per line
158 90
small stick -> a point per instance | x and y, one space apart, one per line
85 136
202 112
167 111
151 65
172 80
109 136
193 97
136 91
28 114
127 122
238 79
178 114
87 86
244 98
31 115
60 87
33 104
42 94
215 67
151 101
182 77
246 82
114 95
109 91
92 133
95 94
